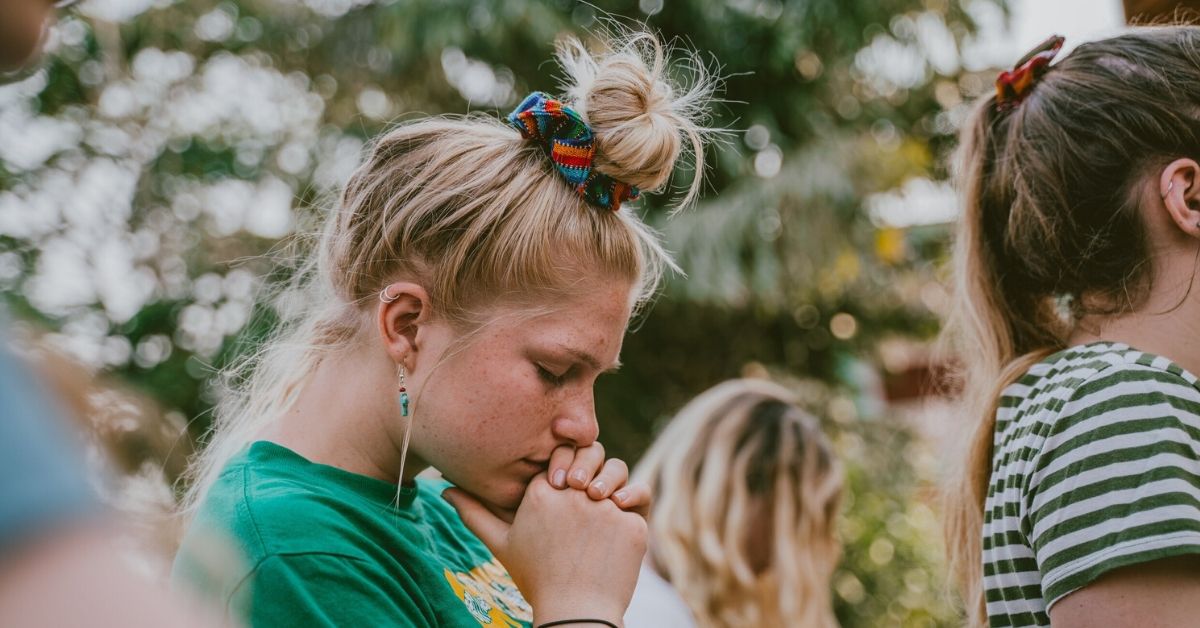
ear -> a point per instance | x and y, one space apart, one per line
403 309
1179 188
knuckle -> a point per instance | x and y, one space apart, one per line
579 498
635 529
539 489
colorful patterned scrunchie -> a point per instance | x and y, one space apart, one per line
571 145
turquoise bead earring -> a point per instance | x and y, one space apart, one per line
403 398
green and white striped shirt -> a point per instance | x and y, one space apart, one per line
1096 466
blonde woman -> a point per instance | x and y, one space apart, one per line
476 279
742 532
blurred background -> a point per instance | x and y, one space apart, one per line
164 151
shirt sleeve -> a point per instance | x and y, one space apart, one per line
42 473
1117 479
327 590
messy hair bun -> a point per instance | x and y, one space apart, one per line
642 121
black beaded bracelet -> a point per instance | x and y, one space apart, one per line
563 622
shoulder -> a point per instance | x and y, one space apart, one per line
1098 388
266 512
1116 479
1133 392
1118 406
284 515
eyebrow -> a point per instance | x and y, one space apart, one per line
590 360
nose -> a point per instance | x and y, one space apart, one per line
576 421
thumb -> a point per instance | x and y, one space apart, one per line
490 529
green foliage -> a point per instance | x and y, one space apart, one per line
164 153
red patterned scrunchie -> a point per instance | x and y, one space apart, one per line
1013 86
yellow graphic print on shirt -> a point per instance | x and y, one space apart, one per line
490 596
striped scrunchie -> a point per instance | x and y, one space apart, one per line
571 145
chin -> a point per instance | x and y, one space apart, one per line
508 496
503 495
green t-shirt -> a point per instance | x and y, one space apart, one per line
1096 466
325 547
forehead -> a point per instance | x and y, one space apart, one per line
592 321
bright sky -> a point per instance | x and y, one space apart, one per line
1077 20
1035 20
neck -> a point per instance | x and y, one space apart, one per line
346 417
1166 324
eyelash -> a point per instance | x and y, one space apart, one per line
551 378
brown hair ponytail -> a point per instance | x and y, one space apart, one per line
1052 229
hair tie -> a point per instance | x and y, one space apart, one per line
571 145
1013 86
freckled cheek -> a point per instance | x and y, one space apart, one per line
481 399
501 408
516 420
519 425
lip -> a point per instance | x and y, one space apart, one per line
536 466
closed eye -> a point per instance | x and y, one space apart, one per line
551 378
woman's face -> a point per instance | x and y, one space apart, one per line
491 412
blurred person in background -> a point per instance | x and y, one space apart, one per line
22 29
475 281
743 527
1078 301
59 563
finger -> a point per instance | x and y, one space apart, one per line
588 461
488 527
612 476
634 497
560 461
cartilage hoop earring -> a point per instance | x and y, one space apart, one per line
402 399
1170 186
384 297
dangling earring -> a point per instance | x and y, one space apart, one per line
403 398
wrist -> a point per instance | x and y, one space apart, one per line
578 623
561 610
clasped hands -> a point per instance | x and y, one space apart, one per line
575 544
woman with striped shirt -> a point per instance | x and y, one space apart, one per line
1078 312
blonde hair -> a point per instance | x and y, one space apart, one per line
479 217
1052 231
742 451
